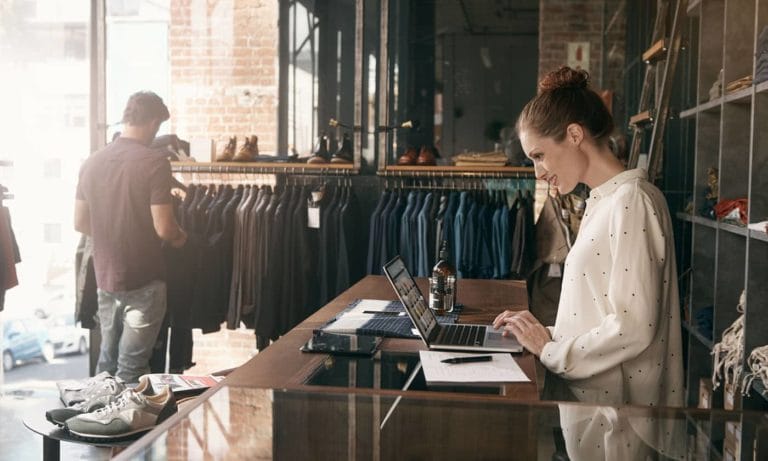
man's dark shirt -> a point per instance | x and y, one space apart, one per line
120 183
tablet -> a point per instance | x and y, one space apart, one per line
333 343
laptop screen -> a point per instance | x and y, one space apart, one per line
411 297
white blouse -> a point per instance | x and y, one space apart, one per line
617 337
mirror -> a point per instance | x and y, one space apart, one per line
460 71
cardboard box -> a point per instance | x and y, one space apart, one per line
705 393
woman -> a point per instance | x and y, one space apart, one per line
616 339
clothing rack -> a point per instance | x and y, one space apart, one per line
261 168
458 172
460 183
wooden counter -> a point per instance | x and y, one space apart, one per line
282 365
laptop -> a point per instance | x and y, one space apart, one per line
460 337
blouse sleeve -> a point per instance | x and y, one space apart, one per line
638 252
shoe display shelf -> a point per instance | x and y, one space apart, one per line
458 171
263 168
728 132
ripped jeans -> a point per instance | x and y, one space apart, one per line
130 322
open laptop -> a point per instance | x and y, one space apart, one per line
463 337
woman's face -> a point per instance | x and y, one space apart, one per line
561 164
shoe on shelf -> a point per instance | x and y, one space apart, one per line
321 151
244 154
99 396
229 151
131 413
344 154
426 156
72 391
409 157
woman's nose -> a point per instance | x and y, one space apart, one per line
539 171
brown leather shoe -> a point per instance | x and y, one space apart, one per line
244 154
229 151
426 156
409 157
254 147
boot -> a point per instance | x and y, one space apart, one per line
321 151
254 147
244 154
344 154
229 151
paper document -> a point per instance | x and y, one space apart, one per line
501 369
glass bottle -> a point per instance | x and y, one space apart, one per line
442 284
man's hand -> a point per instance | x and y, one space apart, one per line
526 328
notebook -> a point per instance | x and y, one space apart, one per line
378 318
465 337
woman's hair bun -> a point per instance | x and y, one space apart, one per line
564 77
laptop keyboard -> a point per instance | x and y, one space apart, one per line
462 335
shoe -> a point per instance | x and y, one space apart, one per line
73 391
426 156
409 157
229 151
245 152
344 154
131 413
100 396
321 151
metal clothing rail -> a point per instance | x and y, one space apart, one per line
263 168
459 172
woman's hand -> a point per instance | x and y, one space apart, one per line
526 328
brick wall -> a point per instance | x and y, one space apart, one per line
224 63
563 21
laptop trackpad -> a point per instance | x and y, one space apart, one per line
497 339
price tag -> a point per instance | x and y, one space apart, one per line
313 217
554 271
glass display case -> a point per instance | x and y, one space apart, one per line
251 423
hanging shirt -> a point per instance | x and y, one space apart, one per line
617 337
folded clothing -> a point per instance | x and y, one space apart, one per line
481 157
732 210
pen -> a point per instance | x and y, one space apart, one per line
471 358
383 312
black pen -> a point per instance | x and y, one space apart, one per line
383 312
471 358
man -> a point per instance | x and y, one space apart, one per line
124 203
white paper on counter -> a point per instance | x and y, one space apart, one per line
502 369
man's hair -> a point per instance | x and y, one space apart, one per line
143 107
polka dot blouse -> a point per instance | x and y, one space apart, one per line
617 336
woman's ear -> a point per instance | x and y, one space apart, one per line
574 133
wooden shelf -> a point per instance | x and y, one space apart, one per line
655 52
642 118
689 112
263 168
743 95
711 105
728 227
758 235
708 343
761 87
446 170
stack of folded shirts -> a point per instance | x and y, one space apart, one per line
738 84
480 159
761 69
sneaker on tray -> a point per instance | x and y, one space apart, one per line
131 413
98 397
74 391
